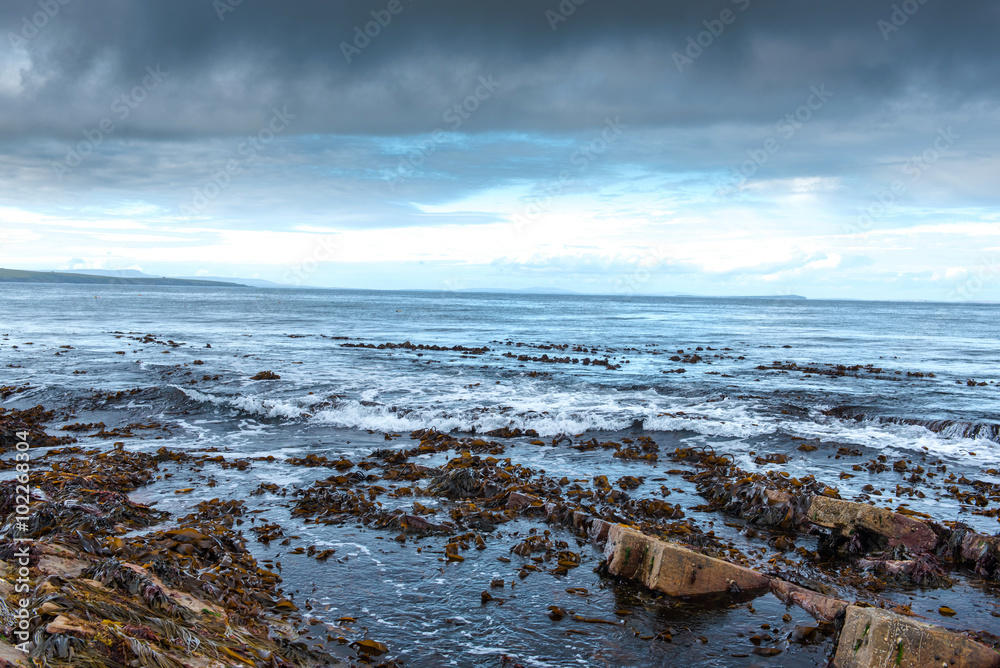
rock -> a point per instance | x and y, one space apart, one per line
844 516
60 561
598 530
417 524
819 606
11 656
875 638
672 569
923 570
982 550
63 624
517 500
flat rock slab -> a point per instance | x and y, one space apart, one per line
672 569
819 606
845 515
875 638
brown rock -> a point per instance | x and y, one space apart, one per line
875 638
598 531
63 624
416 524
672 569
975 546
844 516
517 500
819 606
12 656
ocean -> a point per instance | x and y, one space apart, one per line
359 370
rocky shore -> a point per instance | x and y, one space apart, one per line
113 582
83 585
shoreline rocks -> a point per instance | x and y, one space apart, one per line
846 517
87 580
673 569
154 586
874 638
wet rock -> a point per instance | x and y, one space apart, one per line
877 638
983 552
923 571
673 569
819 606
846 517
599 530
517 501
413 524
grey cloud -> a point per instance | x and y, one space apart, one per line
606 58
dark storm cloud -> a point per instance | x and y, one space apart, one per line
225 71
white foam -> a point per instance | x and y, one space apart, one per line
889 436
254 404
445 404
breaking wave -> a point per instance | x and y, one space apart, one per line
948 428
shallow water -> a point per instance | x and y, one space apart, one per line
329 396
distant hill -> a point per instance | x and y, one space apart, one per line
134 273
251 282
120 273
23 276
135 277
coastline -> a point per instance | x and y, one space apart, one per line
317 448
98 554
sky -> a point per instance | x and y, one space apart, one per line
841 149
